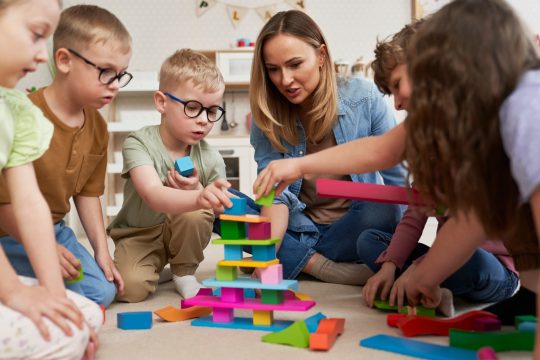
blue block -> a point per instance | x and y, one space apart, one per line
250 283
242 323
184 166
233 252
238 207
312 322
135 320
418 349
263 253
527 326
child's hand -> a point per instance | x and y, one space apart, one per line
36 302
177 181
106 264
422 294
213 196
284 172
382 280
398 290
69 264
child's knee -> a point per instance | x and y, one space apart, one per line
107 294
138 285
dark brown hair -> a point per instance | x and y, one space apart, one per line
465 60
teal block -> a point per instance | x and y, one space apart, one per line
263 253
233 252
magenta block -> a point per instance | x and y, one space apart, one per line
486 353
232 295
202 291
486 324
273 274
259 231
222 315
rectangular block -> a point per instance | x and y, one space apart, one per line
238 208
259 231
263 317
242 323
184 166
249 283
222 315
245 242
248 218
226 273
136 320
272 274
248 262
233 230
253 304
263 253
233 252
271 296
232 295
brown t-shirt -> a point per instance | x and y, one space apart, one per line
75 163
322 210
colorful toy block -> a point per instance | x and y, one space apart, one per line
392 320
326 334
416 348
242 323
251 283
184 166
245 242
296 335
171 314
486 353
527 326
136 320
79 277
313 321
266 200
248 218
420 325
252 304
248 293
238 207
272 274
263 253
226 273
524 318
420 310
301 296
259 231
233 230
271 296
222 315
499 340
248 262
233 252
486 324
368 192
232 295
263 317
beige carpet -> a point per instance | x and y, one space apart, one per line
182 341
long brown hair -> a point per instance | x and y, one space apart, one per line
274 114
464 61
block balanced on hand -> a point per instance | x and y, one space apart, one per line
184 166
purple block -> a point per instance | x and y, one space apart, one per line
222 315
259 231
486 324
232 295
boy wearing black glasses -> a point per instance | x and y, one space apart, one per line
92 49
165 217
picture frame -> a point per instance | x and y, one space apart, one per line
423 8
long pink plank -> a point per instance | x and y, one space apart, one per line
368 192
255 304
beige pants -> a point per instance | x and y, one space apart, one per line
142 253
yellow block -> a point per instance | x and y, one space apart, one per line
248 262
244 218
301 296
263 317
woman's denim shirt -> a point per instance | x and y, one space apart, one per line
362 112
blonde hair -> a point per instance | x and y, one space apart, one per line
272 112
82 25
188 65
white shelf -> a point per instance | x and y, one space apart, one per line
113 210
124 126
114 168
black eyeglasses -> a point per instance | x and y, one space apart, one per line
193 108
107 76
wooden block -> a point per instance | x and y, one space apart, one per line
263 317
252 304
498 340
233 252
238 207
233 230
135 320
301 296
245 242
486 353
313 321
266 200
263 253
296 335
223 315
226 273
248 218
418 310
273 274
486 324
527 326
327 332
232 295
184 166
248 262
524 318
79 277
271 296
251 283
259 231
242 323
171 314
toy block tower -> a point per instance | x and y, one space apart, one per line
274 290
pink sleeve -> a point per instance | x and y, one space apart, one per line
406 237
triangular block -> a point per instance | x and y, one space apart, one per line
296 335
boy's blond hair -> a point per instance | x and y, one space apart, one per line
188 65
82 25
390 53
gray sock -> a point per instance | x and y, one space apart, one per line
339 273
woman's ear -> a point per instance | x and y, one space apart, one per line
322 55
62 59
160 101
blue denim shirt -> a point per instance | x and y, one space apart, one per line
362 112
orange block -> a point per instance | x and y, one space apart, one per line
249 218
326 334
170 313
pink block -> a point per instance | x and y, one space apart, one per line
289 295
232 295
486 324
222 315
202 291
259 231
486 353
253 304
273 274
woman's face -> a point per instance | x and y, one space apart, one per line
293 66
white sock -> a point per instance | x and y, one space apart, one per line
186 285
446 307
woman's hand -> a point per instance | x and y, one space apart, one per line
382 281
280 172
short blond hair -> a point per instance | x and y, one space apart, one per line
188 65
82 25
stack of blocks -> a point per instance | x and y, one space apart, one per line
274 290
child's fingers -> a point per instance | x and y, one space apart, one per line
70 311
37 319
385 290
58 320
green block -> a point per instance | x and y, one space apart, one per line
78 278
296 335
266 200
420 310
246 242
524 318
271 296
233 230
226 273
499 340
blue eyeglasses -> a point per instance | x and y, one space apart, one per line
193 108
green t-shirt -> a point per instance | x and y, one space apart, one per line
145 147
24 132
